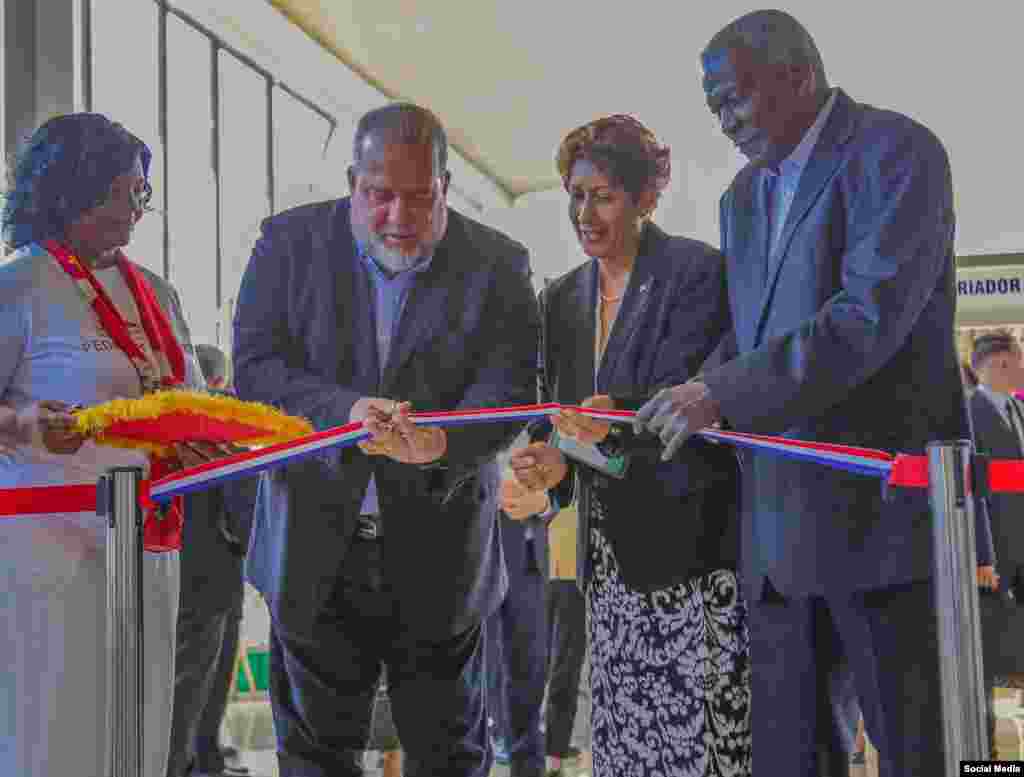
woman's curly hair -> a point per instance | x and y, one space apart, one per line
624 150
65 168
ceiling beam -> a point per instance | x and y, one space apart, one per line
345 57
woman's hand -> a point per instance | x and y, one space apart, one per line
588 431
538 466
48 424
519 503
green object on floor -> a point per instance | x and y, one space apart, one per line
259 662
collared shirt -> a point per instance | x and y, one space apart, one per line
390 292
787 177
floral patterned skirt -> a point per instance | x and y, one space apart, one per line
669 673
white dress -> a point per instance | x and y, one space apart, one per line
52 567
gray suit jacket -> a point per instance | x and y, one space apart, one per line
304 341
844 336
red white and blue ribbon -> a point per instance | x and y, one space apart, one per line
902 470
252 462
864 461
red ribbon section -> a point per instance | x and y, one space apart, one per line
909 472
159 535
47 499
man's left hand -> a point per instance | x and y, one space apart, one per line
676 413
398 438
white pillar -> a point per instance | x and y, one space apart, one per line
43 65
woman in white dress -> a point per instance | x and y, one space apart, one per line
80 325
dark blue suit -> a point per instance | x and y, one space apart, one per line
1002 614
304 340
844 334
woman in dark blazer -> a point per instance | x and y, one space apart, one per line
657 542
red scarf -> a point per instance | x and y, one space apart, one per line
162 365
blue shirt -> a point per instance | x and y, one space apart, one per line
390 292
786 179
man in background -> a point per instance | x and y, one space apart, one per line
999 432
567 640
214 542
517 660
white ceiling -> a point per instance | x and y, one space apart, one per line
510 77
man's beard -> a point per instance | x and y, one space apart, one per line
391 260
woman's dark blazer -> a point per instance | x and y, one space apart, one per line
667 521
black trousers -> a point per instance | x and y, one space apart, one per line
887 639
567 629
517 665
207 643
207 742
323 684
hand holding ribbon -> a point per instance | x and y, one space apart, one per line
48 424
589 431
393 434
677 413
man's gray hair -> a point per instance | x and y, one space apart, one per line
402 123
774 38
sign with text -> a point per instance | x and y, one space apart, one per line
991 767
990 295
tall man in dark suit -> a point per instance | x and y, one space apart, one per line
999 432
839 242
389 554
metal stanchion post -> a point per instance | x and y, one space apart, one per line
118 500
956 603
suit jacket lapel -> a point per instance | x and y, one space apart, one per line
748 243
634 306
354 333
822 165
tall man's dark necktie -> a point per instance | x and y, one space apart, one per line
769 182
